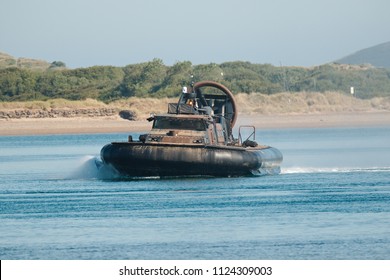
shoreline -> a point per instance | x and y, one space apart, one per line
94 125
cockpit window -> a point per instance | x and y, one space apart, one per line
174 123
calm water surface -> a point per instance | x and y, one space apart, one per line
332 201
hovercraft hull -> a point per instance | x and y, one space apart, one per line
135 159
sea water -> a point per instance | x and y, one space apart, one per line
331 201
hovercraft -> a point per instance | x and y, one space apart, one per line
194 139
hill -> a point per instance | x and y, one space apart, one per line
7 61
378 56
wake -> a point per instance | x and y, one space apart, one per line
293 170
91 167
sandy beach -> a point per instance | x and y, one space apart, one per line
115 124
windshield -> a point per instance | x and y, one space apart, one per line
174 123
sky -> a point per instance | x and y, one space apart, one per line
83 33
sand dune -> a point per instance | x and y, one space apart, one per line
283 110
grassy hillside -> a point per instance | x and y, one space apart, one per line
7 61
378 56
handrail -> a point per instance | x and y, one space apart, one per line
252 134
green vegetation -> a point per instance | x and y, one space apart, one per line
156 80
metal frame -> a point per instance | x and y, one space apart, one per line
252 134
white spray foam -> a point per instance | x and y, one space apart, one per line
91 167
